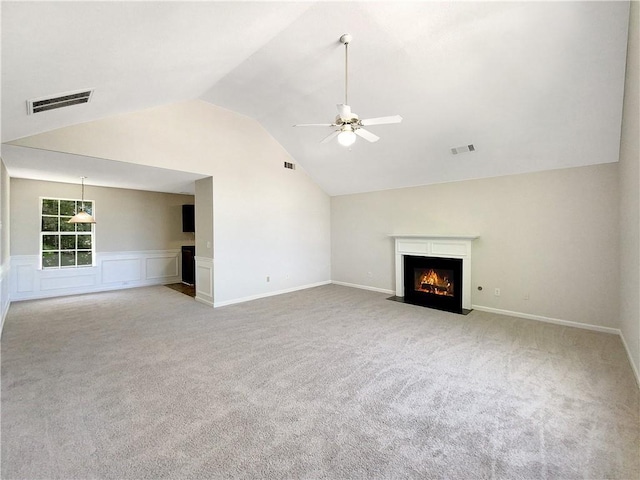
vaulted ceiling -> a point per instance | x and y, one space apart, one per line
532 85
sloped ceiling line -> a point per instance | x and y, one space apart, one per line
522 80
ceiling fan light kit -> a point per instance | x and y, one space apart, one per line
346 138
348 123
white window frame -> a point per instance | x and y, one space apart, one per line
75 233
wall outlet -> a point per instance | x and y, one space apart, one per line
369 274
268 278
526 296
496 292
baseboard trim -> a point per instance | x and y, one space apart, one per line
208 303
540 318
4 312
633 365
364 287
269 294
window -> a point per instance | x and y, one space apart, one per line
63 244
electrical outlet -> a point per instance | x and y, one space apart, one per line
526 296
369 274
496 292
268 278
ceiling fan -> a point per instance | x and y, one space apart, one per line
347 124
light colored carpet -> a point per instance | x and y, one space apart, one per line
330 382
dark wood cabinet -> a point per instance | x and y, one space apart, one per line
188 264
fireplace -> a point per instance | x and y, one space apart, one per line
439 274
434 282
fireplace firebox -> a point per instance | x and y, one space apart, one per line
434 282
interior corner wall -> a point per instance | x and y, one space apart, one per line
551 237
4 243
204 217
629 193
138 236
204 220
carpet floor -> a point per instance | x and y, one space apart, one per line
330 382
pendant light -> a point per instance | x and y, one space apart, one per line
82 216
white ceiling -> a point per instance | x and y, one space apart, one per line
62 167
533 85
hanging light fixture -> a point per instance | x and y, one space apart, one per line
82 216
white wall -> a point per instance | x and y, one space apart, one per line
630 199
138 236
268 220
4 243
550 235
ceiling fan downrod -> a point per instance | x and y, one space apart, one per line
345 39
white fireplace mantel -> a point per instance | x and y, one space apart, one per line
444 246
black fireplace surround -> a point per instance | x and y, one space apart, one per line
433 282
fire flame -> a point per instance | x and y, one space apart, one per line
431 282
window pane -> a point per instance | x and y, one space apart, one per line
49 206
61 244
49 224
84 241
67 259
67 242
84 258
65 226
68 207
50 242
50 259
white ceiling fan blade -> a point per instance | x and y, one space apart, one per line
331 137
344 111
366 134
381 120
315 125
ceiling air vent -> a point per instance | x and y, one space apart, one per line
37 105
289 165
463 149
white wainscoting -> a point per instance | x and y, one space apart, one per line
204 280
4 294
112 271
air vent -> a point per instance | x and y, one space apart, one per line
290 166
37 105
463 149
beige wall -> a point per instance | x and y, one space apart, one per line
550 235
630 197
127 220
204 217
